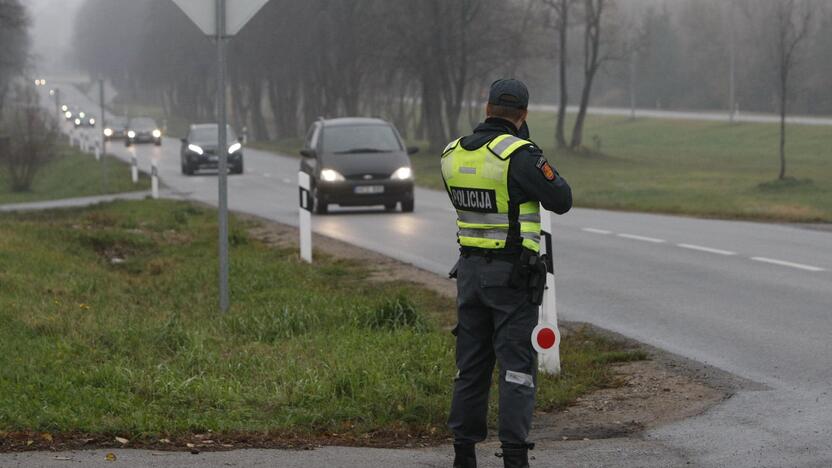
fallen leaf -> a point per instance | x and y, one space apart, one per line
61 458
47 437
110 457
164 441
122 440
30 442
190 445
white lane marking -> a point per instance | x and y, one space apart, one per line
287 180
799 266
596 231
266 174
642 238
706 249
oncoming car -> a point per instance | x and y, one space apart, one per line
358 162
143 130
115 128
84 120
200 149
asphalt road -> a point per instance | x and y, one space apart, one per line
753 299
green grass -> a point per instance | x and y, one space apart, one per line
75 174
136 346
707 169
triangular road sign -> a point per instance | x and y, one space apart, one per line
203 13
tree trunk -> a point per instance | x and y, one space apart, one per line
783 97
563 31
578 130
255 110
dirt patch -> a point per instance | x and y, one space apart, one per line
661 390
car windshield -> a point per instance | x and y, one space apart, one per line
207 135
116 122
143 124
346 139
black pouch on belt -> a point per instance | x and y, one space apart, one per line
521 272
537 281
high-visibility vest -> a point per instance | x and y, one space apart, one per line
477 182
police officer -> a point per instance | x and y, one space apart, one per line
497 179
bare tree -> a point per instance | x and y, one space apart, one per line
593 29
792 22
561 13
33 135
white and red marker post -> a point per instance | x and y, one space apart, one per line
546 336
154 179
305 221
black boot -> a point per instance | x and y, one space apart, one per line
465 456
516 456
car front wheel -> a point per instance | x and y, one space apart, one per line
408 206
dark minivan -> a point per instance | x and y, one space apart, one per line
358 162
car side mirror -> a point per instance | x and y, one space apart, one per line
307 153
183 140
412 150
240 140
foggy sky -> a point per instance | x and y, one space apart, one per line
52 25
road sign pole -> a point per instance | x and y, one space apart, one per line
228 18
223 157
103 123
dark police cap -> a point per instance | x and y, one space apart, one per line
509 93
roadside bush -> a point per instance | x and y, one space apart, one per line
29 142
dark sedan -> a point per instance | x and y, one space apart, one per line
200 149
358 162
143 130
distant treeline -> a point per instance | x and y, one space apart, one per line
419 62
14 46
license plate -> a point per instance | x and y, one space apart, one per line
369 189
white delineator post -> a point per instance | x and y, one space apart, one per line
97 150
305 213
546 336
154 179
134 169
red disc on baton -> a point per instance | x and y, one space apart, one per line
545 337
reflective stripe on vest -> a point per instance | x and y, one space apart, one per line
477 182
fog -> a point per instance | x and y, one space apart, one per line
296 61
53 23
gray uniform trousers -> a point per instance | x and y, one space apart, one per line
495 323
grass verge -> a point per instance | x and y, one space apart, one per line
75 174
706 169
111 329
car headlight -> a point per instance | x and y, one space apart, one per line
329 175
64 108
68 114
402 173
195 149
234 148
108 132
131 134
82 115
157 133
92 121
77 121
